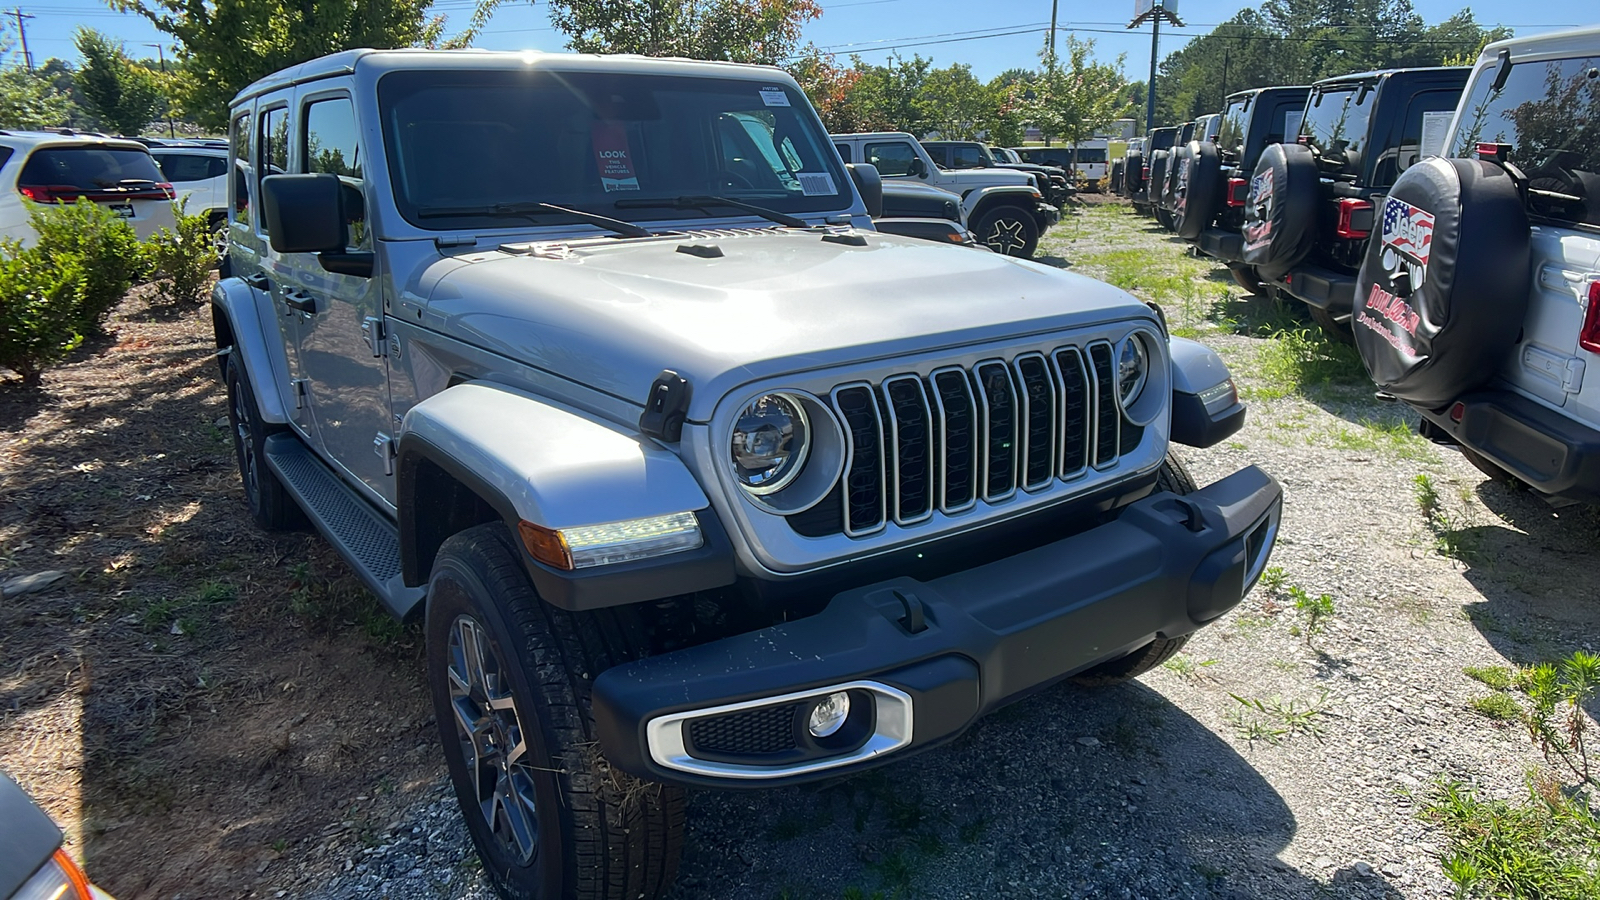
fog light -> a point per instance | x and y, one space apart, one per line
829 714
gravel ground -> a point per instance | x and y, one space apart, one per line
1156 788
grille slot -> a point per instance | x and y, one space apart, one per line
1107 417
998 408
911 451
752 732
958 463
863 474
1076 406
1038 392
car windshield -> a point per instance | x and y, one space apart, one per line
1335 125
90 168
475 147
1230 136
1549 112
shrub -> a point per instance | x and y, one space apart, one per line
183 259
40 309
112 257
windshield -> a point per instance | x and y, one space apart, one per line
89 168
465 146
1230 136
1335 125
1549 112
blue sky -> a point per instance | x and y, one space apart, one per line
946 30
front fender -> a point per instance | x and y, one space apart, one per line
981 198
253 327
1205 404
534 460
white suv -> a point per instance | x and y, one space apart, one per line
60 167
1478 302
199 173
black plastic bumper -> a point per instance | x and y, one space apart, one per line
1552 453
1332 291
1222 244
1046 215
1164 567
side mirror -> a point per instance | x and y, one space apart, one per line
302 212
870 185
918 168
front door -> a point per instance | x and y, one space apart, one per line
340 342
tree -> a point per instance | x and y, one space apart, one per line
831 89
956 104
124 96
891 95
227 44
751 31
1077 95
31 101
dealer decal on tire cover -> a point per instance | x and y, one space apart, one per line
1405 239
1258 234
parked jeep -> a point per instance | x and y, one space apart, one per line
1220 182
1177 169
1310 206
1085 162
1132 164
973 155
692 477
1153 168
1006 210
1478 299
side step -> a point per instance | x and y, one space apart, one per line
366 539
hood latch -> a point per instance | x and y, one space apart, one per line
666 408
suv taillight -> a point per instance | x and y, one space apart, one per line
1144 172
1238 191
49 193
1355 218
1589 335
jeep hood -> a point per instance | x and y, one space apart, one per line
612 314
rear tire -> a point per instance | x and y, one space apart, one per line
1339 331
1246 277
507 670
1009 230
1172 476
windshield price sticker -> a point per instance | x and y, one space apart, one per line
816 184
772 96
613 158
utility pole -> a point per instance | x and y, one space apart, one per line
1153 11
22 32
1053 5
161 53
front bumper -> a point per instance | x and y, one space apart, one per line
1330 290
924 660
1553 454
1046 215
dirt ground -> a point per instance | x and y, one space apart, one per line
212 711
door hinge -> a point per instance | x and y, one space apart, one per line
302 390
372 331
383 445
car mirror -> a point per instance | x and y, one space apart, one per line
918 168
870 185
303 213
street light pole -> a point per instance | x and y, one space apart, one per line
1153 11
1053 5
161 53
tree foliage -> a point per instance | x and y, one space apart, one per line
30 101
750 31
1076 95
119 93
227 44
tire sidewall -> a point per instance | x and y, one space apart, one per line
1281 211
241 397
1029 231
456 588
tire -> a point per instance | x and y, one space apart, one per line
1158 177
1163 217
1133 173
1116 177
1280 215
596 834
1009 230
1200 188
1177 158
269 502
1492 469
1173 477
1443 288
1339 331
1246 277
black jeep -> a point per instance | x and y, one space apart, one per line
1177 172
1151 168
973 155
1309 209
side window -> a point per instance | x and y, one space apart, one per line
180 168
331 148
274 151
963 156
1422 134
844 152
5 154
216 166
892 158
239 152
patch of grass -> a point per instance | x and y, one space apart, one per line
1545 847
1498 707
1277 720
1391 436
1451 537
1291 362
1187 667
1314 611
1498 677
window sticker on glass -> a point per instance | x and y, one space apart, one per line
1435 128
772 96
816 184
612 157
1291 125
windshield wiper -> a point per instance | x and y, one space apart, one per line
531 212
703 202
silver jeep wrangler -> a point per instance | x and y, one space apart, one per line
597 367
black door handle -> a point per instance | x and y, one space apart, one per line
258 281
300 300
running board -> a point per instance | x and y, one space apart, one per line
366 539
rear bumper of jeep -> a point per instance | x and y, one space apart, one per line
1324 288
1552 453
1221 243
921 661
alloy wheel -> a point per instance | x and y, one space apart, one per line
492 741
246 440
1005 236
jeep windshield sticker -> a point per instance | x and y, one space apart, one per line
1291 125
1435 125
1258 225
773 96
816 184
1407 239
612 157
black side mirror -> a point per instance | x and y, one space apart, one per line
918 168
870 185
305 214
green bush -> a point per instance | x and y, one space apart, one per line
41 316
111 255
183 259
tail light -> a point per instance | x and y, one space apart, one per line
1238 191
1355 218
1488 151
1303 139
1589 335
1144 172
49 193
167 189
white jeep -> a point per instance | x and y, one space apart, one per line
597 366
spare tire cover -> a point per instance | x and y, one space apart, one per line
1443 287
1199 193
1280 216
1177 161
1158 175
1133 172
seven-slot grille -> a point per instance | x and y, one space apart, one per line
945 440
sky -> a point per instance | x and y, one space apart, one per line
990 36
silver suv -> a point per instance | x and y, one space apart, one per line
597 366
1479 296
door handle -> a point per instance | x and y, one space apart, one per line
258 281
300 300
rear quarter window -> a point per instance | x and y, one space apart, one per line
89 168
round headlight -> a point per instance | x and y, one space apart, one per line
1133 369
770 440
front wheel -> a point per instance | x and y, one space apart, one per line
511 677
1009 230
270 504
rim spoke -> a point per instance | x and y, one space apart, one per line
520 818
491 738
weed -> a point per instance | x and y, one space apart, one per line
280 845
1293 361
1273 579
215 592
1315 611
1499 707
1498 677
1276 720
1187 667
1385 436
1450 536
1546 847
1559 693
